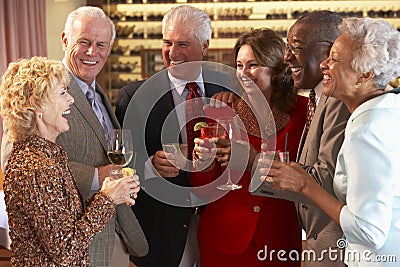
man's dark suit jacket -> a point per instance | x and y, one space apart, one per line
165 224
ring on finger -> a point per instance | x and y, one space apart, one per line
269 180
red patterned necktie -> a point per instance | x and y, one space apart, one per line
310 108
194 114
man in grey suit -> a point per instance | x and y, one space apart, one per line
87 41
309 42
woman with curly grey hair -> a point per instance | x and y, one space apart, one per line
49 225
362 61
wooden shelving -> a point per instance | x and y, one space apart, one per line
139 26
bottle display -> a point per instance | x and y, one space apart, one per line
136 54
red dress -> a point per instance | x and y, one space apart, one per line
237 229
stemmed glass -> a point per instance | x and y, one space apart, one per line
120 150
227 128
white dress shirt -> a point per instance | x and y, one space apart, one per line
179 95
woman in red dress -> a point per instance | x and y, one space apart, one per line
239 228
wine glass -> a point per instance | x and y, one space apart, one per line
176 154
120 150
227 129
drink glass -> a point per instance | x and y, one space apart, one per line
120 150
176 154
227 128
283 156
206 133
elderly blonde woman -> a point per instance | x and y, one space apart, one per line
48 223
362 61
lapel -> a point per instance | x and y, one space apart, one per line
154 109
164 94
214 82
304 141
107 104
301 144
165 106
83 109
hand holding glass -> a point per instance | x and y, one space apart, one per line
176 154
282 156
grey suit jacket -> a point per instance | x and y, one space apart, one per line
87 148
318 153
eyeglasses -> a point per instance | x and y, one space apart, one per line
296 49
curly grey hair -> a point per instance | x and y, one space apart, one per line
90 11
376 48
190 16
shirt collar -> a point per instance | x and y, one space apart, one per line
318 91
179 85
84 87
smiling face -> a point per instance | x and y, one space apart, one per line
54 113
340 79
87 50
180 45
309 53
251 75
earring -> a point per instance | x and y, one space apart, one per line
359 84
40 115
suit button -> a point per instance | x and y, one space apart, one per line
185 226
304 206
256 209
315 236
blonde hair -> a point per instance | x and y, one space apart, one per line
28 84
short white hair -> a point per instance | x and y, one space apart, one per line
90 11
376 48
190 16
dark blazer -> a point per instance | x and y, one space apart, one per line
318 153
87 148
147 114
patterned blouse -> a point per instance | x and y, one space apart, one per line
48 225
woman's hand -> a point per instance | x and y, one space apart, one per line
221 99
285 176
122 190
208 149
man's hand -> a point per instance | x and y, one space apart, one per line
163 166
105 171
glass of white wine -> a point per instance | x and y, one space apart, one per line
120 150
